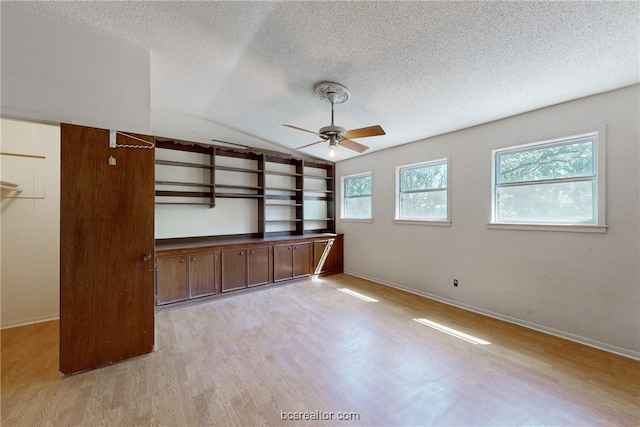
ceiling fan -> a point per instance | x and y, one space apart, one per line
336 93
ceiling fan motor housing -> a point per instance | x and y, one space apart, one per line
327 131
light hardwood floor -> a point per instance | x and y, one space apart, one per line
305 346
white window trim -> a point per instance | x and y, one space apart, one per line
343 197
441 222
600 194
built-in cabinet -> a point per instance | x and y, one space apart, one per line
199 267
291 260
184 277
294 207
245 267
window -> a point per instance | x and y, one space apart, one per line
356 196
558 182
422 191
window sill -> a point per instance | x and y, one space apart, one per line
549 227
356 219
437 223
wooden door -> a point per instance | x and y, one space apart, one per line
258 266
106 228
202 273
171 279
234 269
301 259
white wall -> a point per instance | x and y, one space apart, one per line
583 286
30 228
60 73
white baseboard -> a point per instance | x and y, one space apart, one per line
540 328
31 321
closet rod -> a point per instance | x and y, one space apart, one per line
31 156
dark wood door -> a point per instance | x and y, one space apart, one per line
234 269
172 279
282 262
258 266
202 273
301 259
106 227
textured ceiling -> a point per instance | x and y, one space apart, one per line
418 69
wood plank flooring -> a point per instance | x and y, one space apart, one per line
306 347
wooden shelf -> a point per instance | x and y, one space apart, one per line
283 204
326 178
319 191
282 173
288 195
184 184
184 164
236 169
239 196
185 203
239 187
163 193
282 189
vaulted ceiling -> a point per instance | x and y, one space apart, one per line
418 69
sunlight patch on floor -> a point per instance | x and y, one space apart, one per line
357 295
452 332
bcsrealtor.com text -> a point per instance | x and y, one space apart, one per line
319 416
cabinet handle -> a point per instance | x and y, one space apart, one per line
193 258
241 253
252 252
182 259
289 248
147 257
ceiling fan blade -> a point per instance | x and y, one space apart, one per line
303 130
364 132
309 145
352 145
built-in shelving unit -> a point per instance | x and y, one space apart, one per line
294 196
180 192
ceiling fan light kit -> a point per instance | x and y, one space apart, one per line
335 93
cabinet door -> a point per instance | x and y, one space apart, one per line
327 255
336 255
282 262
301 259
172 279
321 251
202 269
258 266
234 269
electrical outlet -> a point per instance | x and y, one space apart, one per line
455 282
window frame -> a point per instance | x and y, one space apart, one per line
343 197
598 225
446 160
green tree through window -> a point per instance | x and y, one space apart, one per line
547 183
